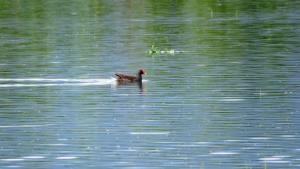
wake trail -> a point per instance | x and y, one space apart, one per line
40 82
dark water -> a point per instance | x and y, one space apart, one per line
226 97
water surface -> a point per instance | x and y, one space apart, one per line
227 98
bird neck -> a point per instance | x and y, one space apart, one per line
139 77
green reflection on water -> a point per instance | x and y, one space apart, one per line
239 63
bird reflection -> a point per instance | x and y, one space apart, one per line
141 86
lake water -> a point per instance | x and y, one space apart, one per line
224 93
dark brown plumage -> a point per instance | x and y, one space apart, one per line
128 78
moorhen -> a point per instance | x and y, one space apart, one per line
130 79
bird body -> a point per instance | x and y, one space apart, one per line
128 78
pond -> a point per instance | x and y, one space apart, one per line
222 91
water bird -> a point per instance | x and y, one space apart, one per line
122 78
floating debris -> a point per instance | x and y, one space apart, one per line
156 50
